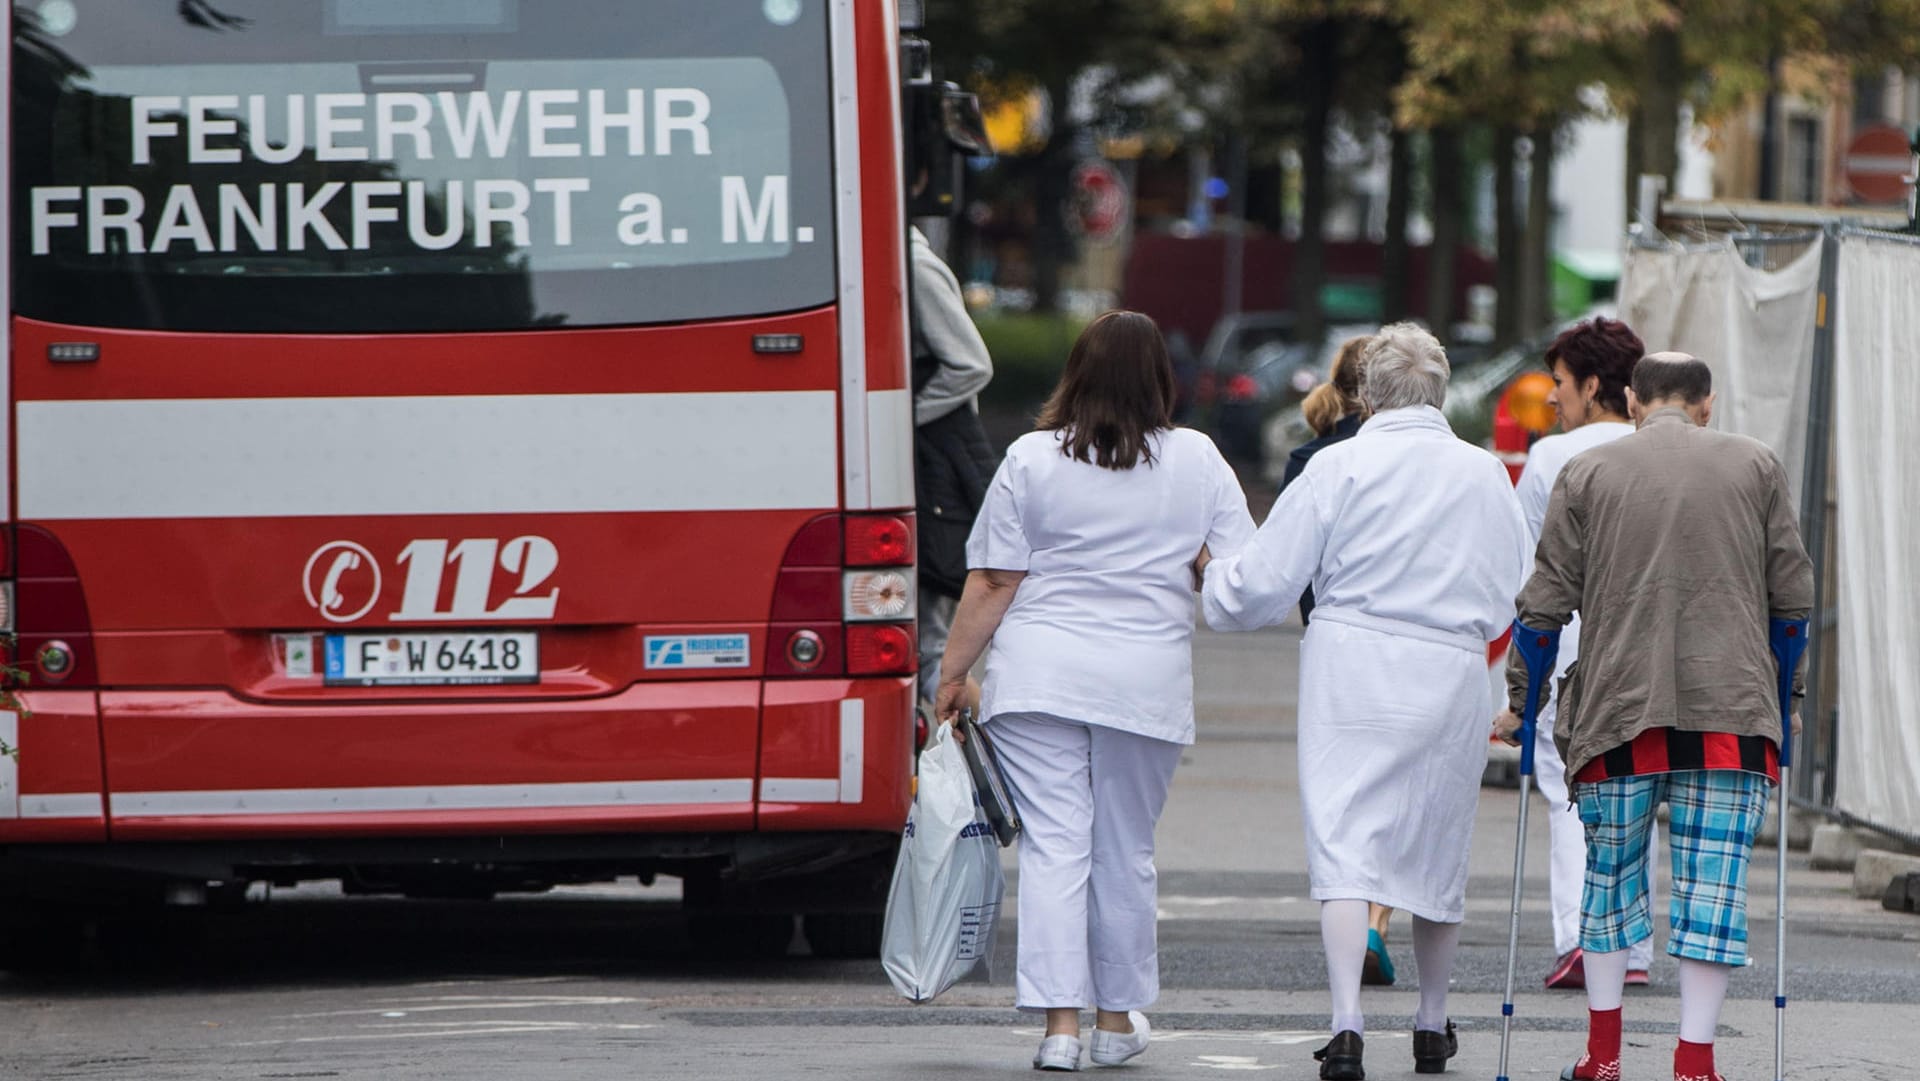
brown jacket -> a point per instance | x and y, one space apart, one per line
1676 544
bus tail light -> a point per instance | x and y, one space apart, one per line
879 540
805 620
53 635
879 595
880 649
844 601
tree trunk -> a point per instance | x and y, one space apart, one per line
1536 282
1394 301
1635 125
1507 261
1052 244
1660 108
1319 49
1447 214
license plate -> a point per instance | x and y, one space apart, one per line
453 657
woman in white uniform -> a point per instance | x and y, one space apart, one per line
1592 363
1415 547
1079 575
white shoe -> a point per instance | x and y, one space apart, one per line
1058 1053
1114 1048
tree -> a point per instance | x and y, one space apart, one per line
1012 47
1519 67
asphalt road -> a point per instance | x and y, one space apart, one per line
601 982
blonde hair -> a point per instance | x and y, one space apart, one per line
1340 394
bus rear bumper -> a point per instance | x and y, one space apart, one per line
714 757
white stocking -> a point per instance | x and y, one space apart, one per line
1606 979
1703 988
1343 931
1433 948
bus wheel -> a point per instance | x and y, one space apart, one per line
740 934
845 935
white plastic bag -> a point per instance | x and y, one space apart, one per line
944 904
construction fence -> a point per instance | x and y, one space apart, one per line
1813 333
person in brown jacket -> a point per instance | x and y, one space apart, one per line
1677 545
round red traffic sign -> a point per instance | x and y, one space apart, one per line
1879 163
1099 203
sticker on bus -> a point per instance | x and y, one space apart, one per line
697 651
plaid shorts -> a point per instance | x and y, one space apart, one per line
1713 817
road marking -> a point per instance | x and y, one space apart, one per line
1231 1062
418 1030
1168 907
441 1003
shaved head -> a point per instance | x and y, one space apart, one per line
1672 377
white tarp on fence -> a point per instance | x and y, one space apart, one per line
1876 448
1753 327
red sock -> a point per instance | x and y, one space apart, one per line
1602 1060
1693 1062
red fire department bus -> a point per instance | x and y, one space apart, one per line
458 446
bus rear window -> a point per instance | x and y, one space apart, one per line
419 165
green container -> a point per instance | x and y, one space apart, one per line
1351 301
1582 279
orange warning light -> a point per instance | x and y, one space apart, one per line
1526 401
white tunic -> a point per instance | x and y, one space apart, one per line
1415 548
1545 459
1100 629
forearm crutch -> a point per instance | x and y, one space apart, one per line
1538 649
1789 639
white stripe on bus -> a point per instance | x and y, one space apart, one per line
890 447
61 805
9 767
468 797
853 259
494 454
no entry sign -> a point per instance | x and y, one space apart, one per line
1879 161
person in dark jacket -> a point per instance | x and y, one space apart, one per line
953 462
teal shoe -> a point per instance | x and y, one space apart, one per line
1377 970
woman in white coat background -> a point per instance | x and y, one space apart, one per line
1415 547
1079 575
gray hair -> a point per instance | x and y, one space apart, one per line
1403 366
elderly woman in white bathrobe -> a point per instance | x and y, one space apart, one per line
1415 547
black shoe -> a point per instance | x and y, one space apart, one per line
1340 1059
1431 1050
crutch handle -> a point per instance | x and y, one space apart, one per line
1538 649
1789 640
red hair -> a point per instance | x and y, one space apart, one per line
1601 347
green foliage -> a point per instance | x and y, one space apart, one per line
1029 350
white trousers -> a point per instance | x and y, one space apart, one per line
1089 797
1567 843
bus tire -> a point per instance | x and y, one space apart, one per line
740 934
845 935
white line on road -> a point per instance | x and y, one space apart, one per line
428 1030
440 1003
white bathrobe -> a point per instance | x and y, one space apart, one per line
1415 547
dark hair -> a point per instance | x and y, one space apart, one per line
1662 376
1600 347
1117 391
